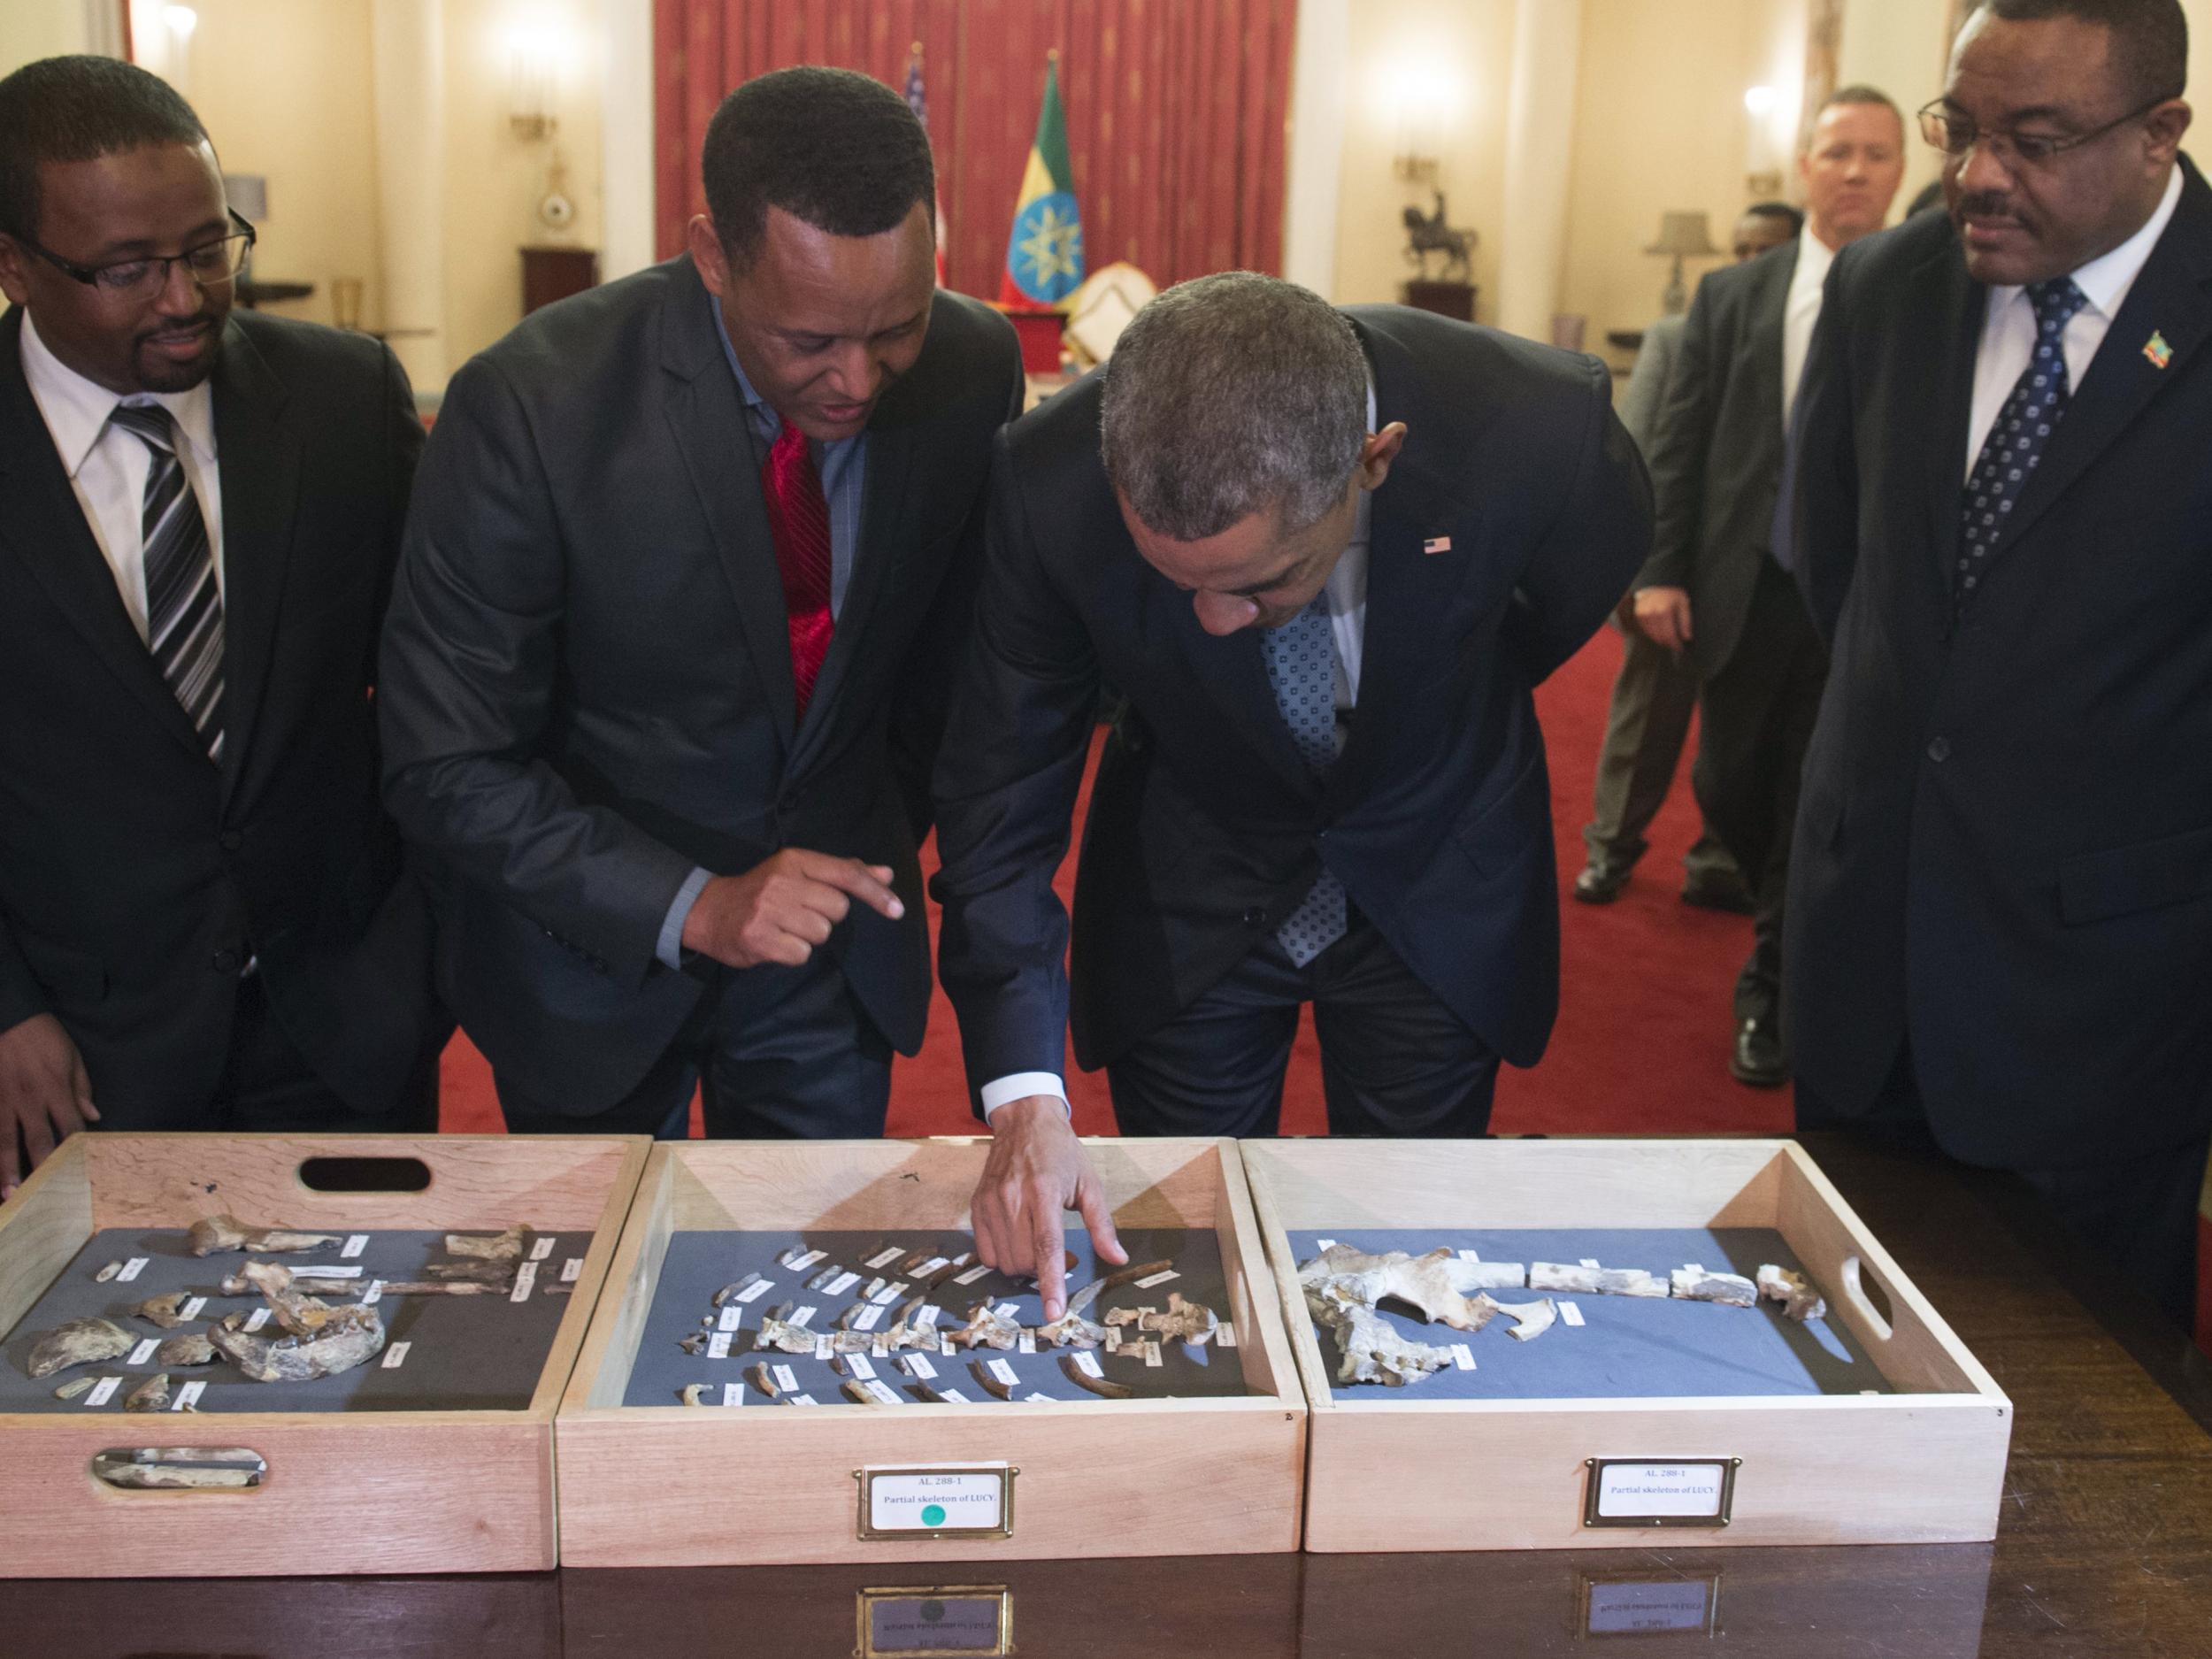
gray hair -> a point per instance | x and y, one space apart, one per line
1230 394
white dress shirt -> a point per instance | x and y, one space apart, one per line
1801 311
2008 323
1346 589
107 466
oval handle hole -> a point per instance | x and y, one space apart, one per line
1872 1300
364 1175
179 1468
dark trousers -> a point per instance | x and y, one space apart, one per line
777 1054
1759 712
267 1086
1395 1061
2139 1214
1654 695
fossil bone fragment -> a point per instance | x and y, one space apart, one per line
317 1341
150 1396
493 1275
763 1380
1129 1275
214 1235
186 1348
987 1328
825 1276
990 1384
695 1393
722 1296
74 1387
1433 1283
1105 1387
107 1273
1694 1284
1798 1298
1530 1319
502 1247
1469 1272
1372 1351
308 1284
80 1342
909 1331
696 1342
1073 1329
181 1468
1594 1281
1183 1322
165 1311
778 1332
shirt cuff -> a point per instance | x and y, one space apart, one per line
1020 1086
670 947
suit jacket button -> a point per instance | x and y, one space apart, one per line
1939 749
225 961
231 840
1254 916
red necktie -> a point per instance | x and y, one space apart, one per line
798 519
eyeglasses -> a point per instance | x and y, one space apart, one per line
209 265
1956 135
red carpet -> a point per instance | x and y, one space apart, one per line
1642 1041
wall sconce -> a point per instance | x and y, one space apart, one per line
534 83
1762 168
1685 236
1419 96
178 25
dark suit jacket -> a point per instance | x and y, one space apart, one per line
135 875
588 669
2005 842
1716 451
1205 827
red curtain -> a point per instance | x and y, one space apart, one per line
1176 113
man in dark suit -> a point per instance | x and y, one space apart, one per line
205 922
1326 556
1713 589
2000 916
1655 691
691 557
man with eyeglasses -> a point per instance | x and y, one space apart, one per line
205 922
2001 909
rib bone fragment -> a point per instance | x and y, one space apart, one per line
1105 1387
989 1383
695 1393
1798 1298
80 1342
215 1234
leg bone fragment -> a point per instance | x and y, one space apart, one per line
1594 1281
216 1234
74 1387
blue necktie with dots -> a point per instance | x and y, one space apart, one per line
1302 667
2017 442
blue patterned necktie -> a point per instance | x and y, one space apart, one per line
1302 667
2017 441
184 607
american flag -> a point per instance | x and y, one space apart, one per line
919 102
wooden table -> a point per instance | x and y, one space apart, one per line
2105 1547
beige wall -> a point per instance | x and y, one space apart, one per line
32 29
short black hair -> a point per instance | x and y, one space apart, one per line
1794 218
2150 39
80 108
836 148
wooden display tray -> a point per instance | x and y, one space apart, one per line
1396 1473
675 1485
381 1491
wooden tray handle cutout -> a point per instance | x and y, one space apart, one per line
364 1175
1863 1291
179 1468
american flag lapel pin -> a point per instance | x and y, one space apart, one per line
1437 544
2157 350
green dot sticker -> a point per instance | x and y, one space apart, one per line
933 1515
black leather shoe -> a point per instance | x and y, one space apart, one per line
1600 881
1719 890
1757 1056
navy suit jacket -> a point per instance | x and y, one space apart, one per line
1205 827
2004 847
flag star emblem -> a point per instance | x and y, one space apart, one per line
2157 350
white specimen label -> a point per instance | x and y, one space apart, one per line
861 1368
1570 1311
1152 1353
1157 1279
1087 1364
356 1242
1038 1399
890 1293
258 1318
143 1352
526 1281
926 1314
918 1365
934 1500
187 1396
132 1269
1007 1310
718 1345
543 1247
884 1258
786 1379
798 1400
945 1347
374 1295
1025 1343
103 1391
1003 1372
754 1292
395 1355
1591 1262
802 1316
971 1276
839 1286
1224 1335
881 1393
1324 1244
868 1317
930 1266
952 1396
1640 1491
572 1270
807 1261
327 1270
1463 1356
733 1319
732 1393
1469 1255
879 1344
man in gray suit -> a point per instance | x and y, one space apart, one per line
1712 589
690 562
1654 692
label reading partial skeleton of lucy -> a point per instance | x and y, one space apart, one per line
1635 1608
935 1500
1668 1491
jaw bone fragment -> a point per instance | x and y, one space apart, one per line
188 1347
503 1247
1694 1284
1432 1284
985 1328
1594 1281
1373 1350
215 1234
80 1342
1798 1298
319 1340
150 1396
165 1311
1105 1387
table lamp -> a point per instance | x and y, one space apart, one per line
1685 236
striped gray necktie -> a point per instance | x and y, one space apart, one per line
184 608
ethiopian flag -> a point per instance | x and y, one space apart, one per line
1044 255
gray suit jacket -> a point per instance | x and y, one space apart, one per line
1651 380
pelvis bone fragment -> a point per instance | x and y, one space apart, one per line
79 1342
215 1234
1435 1283
317 1340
